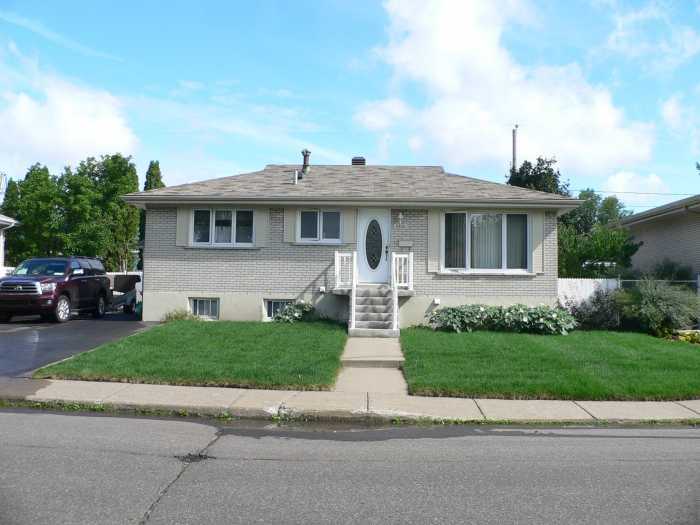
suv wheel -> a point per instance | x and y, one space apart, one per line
61 312
101 307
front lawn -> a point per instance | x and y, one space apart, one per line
302 356
581 365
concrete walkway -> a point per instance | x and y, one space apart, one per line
372 364
339 405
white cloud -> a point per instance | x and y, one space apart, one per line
382 114
54 121
672 112
476 91
649 34
683 120
38 28
629 185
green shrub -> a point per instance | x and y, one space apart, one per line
658 308
672 271
602 311
516 318
293 312
180 314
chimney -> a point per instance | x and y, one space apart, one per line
358 161
305 167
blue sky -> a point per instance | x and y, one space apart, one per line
610 88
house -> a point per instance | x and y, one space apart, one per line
379 246
671 231
5 224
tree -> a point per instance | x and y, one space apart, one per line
153 177
83 229
116 176
594 210
602 252
542 177
34 202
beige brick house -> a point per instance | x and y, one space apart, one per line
378 246
671 231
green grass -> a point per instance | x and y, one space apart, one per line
303 356
582 365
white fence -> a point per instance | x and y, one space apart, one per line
578 290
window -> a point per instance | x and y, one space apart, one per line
244 227
485 242
273 306
206 308
223 224
309 225
222 227
202 219
319 226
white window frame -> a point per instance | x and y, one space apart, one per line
191 305
212 229
319 227
266 317
503 270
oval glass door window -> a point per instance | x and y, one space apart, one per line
373 244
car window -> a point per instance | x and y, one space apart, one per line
85 264
97 266
74 265
41 267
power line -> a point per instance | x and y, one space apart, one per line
640 193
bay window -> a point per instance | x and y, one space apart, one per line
485 242
222 227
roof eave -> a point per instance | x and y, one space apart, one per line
142 201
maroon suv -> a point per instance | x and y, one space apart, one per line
55 287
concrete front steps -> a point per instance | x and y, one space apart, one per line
372 364
373 312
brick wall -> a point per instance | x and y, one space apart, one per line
676 237
278 268
414 228
283 268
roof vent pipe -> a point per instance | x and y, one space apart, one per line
305 167
359 161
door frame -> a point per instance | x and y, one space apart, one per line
382 274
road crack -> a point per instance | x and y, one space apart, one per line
186 460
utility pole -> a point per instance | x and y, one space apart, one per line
514 165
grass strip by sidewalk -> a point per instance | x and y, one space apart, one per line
584 365
300 356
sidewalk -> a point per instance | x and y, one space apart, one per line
269 404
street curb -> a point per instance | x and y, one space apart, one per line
164 410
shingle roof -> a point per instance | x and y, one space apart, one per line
351 183
675 206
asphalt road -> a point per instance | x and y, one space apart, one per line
59 468
28 343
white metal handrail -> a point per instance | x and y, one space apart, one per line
402 270
353 293
343 269
395 278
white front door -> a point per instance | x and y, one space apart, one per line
373 241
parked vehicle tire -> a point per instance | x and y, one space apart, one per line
5 318
101 307
61 312
128 308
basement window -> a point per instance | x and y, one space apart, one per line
274 306
205 307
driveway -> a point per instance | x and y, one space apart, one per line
29 343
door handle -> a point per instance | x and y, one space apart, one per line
386 252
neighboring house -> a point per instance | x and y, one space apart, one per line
669 232
5 224
359 241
